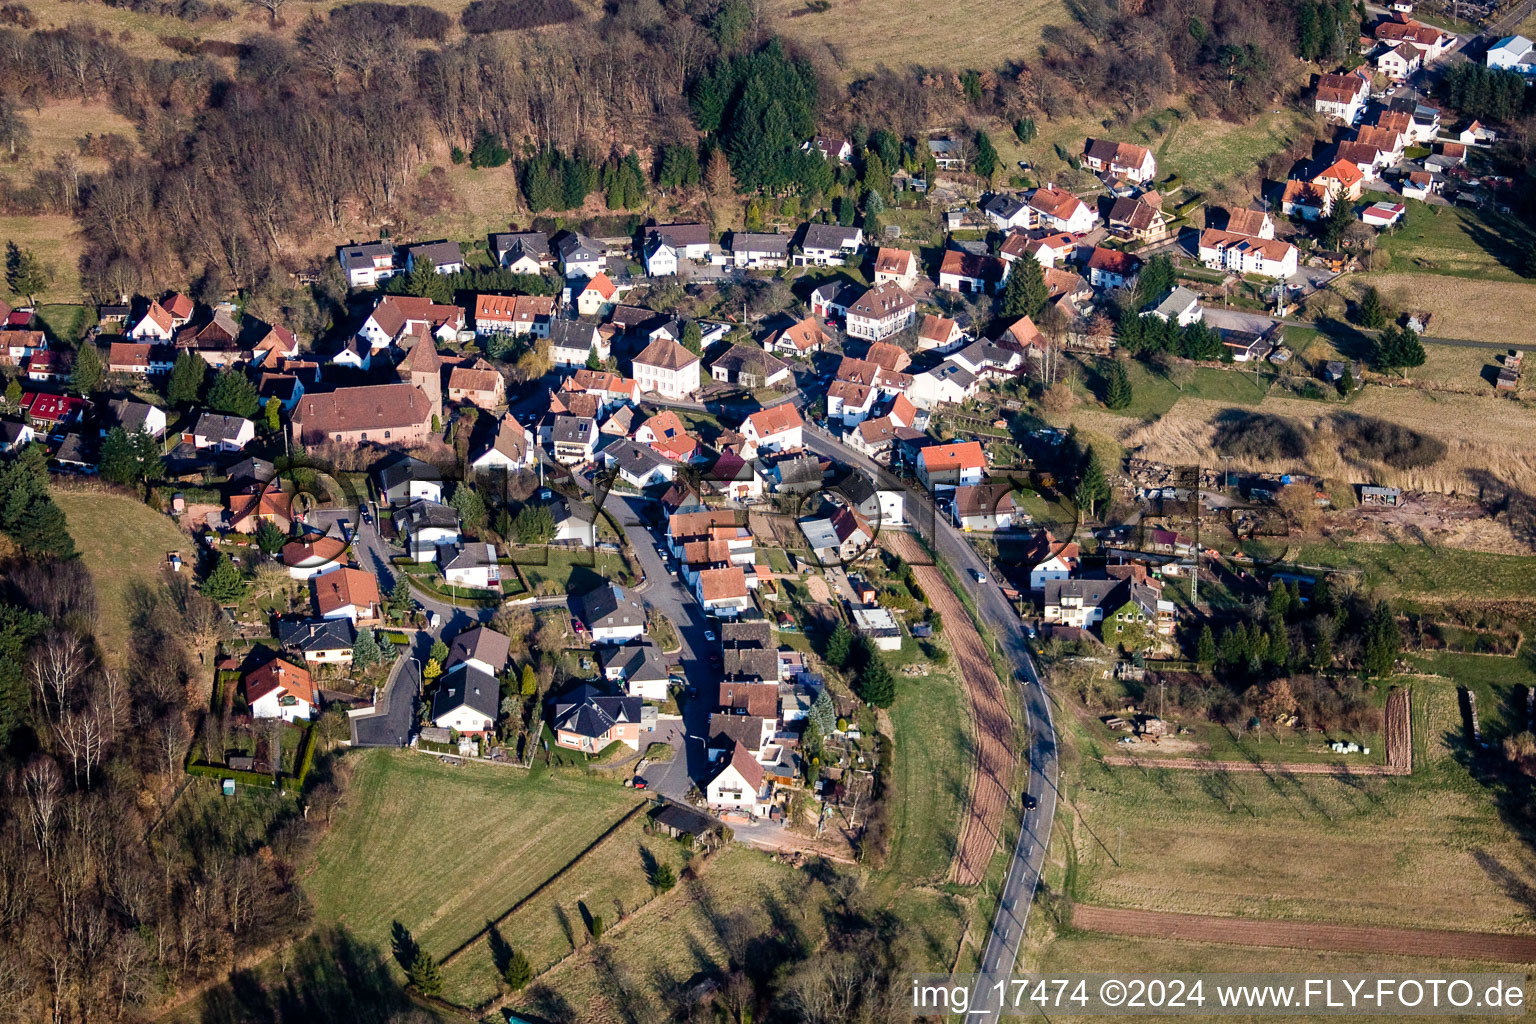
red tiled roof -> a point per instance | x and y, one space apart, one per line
278 674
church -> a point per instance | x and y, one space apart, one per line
400 414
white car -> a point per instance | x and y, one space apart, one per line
981 577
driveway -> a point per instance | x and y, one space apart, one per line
394 713
373 553
1237 320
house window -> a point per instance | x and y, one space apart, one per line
386 435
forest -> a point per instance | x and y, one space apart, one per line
254 159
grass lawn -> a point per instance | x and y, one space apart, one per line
743 899
54 240
551 925
1268 845
934 760
1416 570
1502 305
1153 394
985 34
443 850
1453 240
570 570
65 322
123 542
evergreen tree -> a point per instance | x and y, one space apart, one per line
365 650
233 393
1346 382
1157 278
663 878
1383 641
987 162
188 375
470 507
1340 217
535 524
127 459
1024 130
529 684
823 713
269 538
679 166
424 974
488 151
13 394
1026 293
1131 331
1373 311
85 377
875 684
439 652
28 514
225 583
400 600
839 646
425 281
518 972
23 273
1205 648
1092 485
274 416
693 338
1117 389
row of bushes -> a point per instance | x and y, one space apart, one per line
416 21
512 15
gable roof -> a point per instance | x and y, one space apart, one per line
477 376
1125 154
342 587
746 241
804 335
780 418
971 265
610 606
317 636
758 699
895 261
1054 202
745 765
665 354
829 236
888 356
280 675
437 253
959 455
1246 222
638 662
588 711
1133 213
1113 261
725 584
464 685
602 286
480 644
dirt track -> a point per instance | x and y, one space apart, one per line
1490 946
1279 768
990 788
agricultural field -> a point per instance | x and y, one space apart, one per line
741 908
444 850
124 543
550 925
1485 440
934 759
1502 305
1417 570
1303 848
982 35
1455 241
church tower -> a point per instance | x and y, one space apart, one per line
423 367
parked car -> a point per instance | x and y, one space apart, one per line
709 635
640 783
578 627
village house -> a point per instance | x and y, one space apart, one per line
839 538
1006 211
512 449
427 526
470 564
1400 61
689 241
595 296
220 432
573 439
830 148
1428 41
588 720
1059 210
1135 164
141 359
323 642
50 413
154 325
943 467
481 647
660 257
723 591
281 689
896 266
880 312
1112 268
523 252
749 366
313 554
666 368
244 513
828 245
442 256
756 251
1512 53
642 668
1178 305
572 343
949 383
939 333
1247 255
399 316
1342 97
134 416
985 507
466 700
611 616
368 265
739 785
1341 178
580 256
773 430
666 433
610 389
969 272
1138 219
1078 603
351 594
639 465
1305 200
479 384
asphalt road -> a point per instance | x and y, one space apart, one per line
390 724
373 552
1000 623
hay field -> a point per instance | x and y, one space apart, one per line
1301 848
443 850
1487 438
124 543
55 240
861 35
1478 310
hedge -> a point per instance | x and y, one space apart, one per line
306 757
215 771
395 637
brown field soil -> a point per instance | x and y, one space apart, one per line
994 727
1486 438
860 35
1463 307
1515 949
1297 768
1399 731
